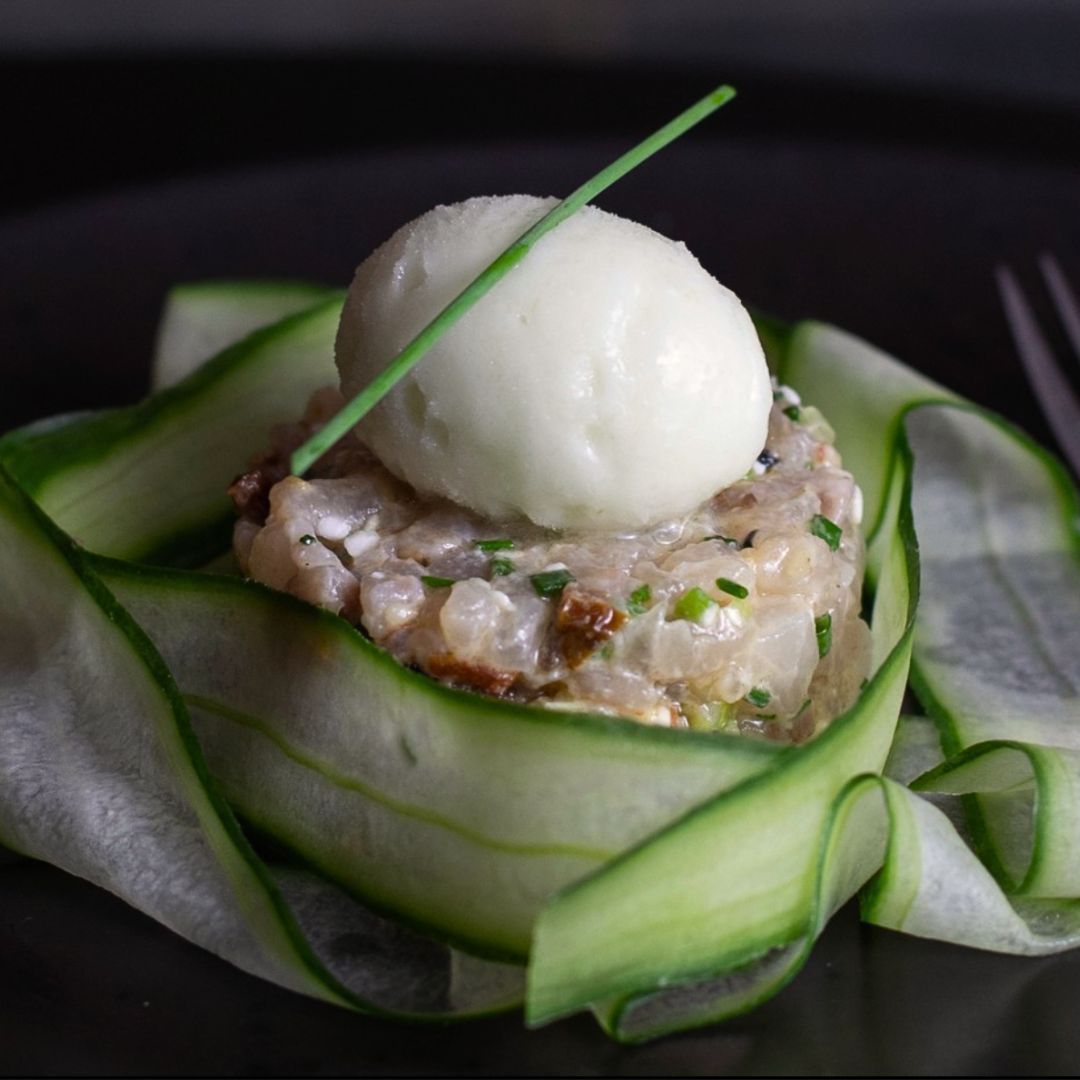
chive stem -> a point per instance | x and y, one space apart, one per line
433 582
693 604
824 529
732 588
549 583
493 545
823 633
305 456
639 600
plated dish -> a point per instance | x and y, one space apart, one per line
829 412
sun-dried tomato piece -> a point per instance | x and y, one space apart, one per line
448 668
583 622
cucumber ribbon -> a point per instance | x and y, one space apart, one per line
662 879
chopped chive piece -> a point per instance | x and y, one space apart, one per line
493 545
307 539
802 708
550 582
724 539
639 600
767 459
501 567
759 697
714 716
823 632
375 391
824 529
792 413
436 582
732 588
693 604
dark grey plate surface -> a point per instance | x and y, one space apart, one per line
898 246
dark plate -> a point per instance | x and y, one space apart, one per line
898 246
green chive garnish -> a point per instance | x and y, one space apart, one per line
307 539
550 582
725 539
501 567
714 716
493 545
436 582
759 697
376 390
732 588
792 413
693 604
639 600
824 529
823 632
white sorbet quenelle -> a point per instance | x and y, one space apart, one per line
607 382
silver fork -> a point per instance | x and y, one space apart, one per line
1056 396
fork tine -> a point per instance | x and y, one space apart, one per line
1064 301
1055 395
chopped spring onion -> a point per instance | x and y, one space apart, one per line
767 459
732 588
550 582
759 697
303 458
693 604
639 600
436 582
823 632
824 529
493 545
817 425
501 567
730 541
715 716
792 413
307 539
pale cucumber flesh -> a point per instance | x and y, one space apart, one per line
203 318
100 774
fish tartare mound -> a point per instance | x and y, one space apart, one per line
588 494
742 615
